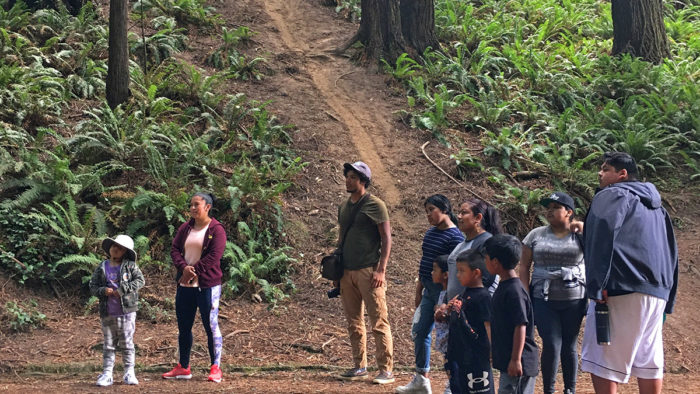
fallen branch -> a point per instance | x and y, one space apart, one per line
236 332
14 259
422 148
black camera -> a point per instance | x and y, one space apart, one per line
334 292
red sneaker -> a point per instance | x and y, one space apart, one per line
178 373
215 374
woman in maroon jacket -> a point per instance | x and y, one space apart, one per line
196 252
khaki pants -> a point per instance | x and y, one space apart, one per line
356 291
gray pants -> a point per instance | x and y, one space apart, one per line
118 332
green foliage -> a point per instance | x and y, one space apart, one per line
257 263
350 9
466 163
64 186
535 81
186 12
167 41
151 311
23 317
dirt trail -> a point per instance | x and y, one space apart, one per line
362 122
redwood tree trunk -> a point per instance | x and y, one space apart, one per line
418 24
380 29
638 29
118 64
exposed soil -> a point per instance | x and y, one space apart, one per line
341 113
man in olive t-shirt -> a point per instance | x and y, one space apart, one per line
365 256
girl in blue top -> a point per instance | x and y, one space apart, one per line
440 239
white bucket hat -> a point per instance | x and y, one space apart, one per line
124 241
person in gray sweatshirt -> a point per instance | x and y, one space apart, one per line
631 266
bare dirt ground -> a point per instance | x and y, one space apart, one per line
341 113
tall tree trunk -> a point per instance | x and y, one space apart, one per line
638 29
418 24
380 29
118 63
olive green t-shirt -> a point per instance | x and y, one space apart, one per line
362 246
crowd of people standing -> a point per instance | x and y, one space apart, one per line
485 291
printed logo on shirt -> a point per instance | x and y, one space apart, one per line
482 381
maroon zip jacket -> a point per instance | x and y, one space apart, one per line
208 268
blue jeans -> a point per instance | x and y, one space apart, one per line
423 324
558 323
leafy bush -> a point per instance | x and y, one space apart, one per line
65 187
24 317
535 81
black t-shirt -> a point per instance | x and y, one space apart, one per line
468 344
470 336
511 308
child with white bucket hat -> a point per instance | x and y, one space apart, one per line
116 282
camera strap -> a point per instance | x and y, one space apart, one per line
353 215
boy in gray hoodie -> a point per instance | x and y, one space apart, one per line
632 266
116 283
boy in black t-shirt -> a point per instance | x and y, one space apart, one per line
515 353
468 347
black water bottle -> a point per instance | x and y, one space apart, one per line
602 324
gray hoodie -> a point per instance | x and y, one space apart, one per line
629 243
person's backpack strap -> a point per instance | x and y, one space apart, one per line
353 215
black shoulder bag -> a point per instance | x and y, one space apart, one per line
332 265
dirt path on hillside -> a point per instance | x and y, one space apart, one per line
364 124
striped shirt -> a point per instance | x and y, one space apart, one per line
437 242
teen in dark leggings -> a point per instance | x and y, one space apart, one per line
557 289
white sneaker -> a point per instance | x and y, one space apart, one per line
130 378
419 384
104 380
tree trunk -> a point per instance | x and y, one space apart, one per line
638 29
118 63
380 29
418 24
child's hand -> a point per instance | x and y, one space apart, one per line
515 368
455 305
110 292
441 313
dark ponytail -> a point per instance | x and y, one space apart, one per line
491 219
443 204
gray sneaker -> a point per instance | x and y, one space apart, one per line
418 385
384 377
130 378
354 374
104 380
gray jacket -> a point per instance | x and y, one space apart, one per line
130 281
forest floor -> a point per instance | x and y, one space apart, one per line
341 112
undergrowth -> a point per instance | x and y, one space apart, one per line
535 81
73 171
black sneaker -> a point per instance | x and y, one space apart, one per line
354 374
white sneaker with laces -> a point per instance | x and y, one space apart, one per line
104 380
130 378
419 385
